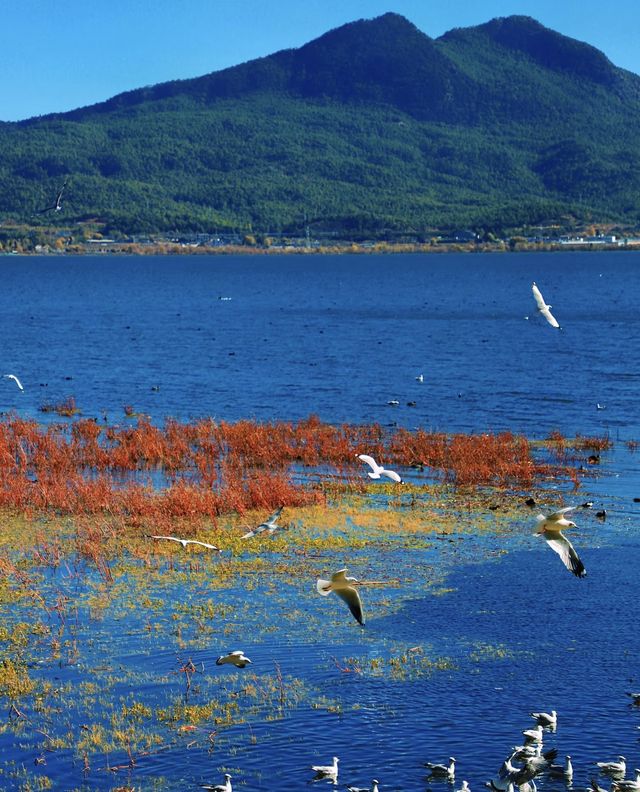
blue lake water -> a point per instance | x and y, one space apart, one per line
340 337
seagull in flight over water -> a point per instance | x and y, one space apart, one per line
270 525
15 379
238 659
57 206
377 470
549 527
345 588
543 307
185 542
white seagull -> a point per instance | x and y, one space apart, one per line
372 788
618 768
327 771
562 771
543 307
270 525
549 528
632 785
547 719
442 771
185 542
237 659
533 735
226 787
377 470
15 379
345 588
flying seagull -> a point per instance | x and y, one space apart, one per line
345 588
15 379
238 659
549 527
377 470
226 787
57 206
185 542
270 525
543 307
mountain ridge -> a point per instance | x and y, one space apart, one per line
373 125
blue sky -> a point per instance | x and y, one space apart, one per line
57 55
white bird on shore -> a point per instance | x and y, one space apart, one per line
237 659
327 771
377 470
270 525
15 379
372 788
618 768
345 588
543 307
185 542
549 528
442 771
547 719
226 787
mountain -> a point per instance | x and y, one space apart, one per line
373 128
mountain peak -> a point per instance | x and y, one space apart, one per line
551 49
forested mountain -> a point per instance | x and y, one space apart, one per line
374 127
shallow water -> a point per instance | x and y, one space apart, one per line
497 626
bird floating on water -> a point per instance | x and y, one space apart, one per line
237 658
377 470
270 525
345 588
185 542
327 771
372 788
562 771
549 527
420 378
226 787
15 379
543 307
442 771
617 768
630 785
546 719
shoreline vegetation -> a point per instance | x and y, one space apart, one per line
89 240
202 470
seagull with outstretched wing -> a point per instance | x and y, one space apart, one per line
270 525
549 527
377 470
544 309
15 379
185 542
57 206
345 588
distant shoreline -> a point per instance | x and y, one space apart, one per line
378 248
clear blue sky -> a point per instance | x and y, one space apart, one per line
57 55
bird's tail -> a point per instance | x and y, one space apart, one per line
323 586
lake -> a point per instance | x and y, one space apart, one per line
482 628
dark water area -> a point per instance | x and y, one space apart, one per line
338 336
511 631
